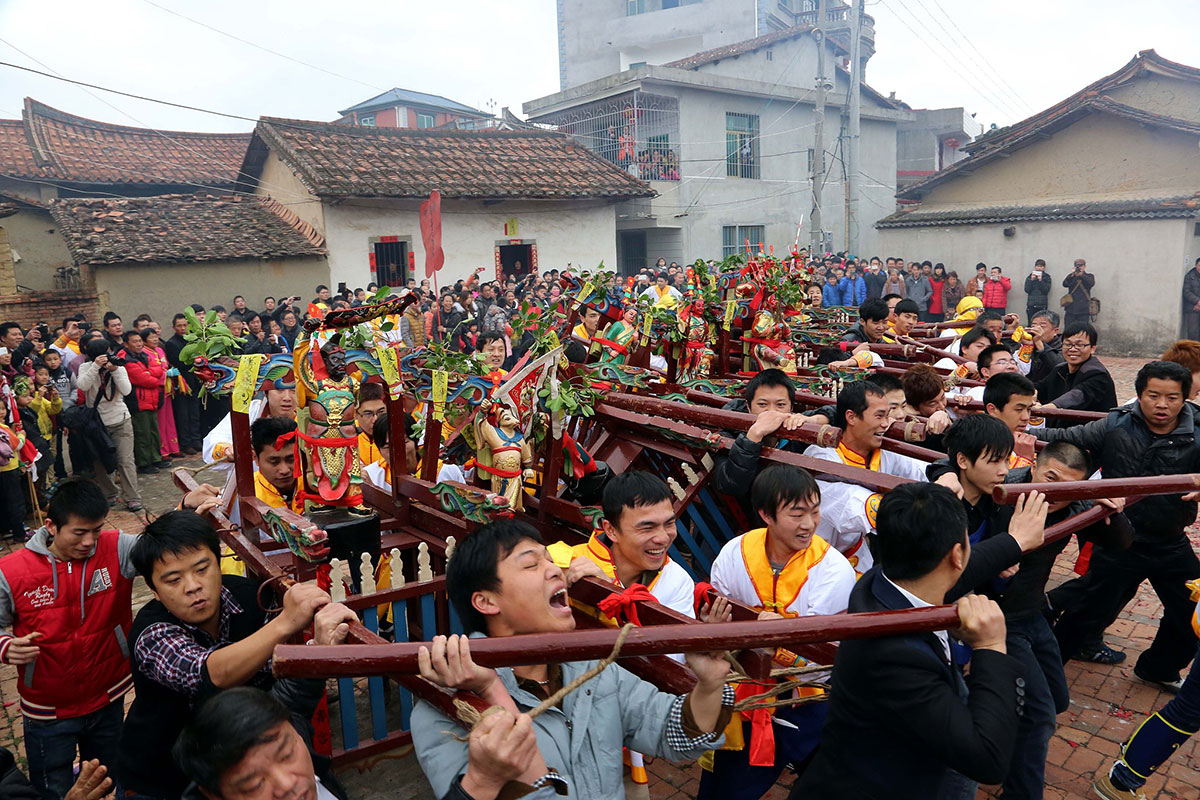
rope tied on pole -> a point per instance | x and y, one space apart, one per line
470 716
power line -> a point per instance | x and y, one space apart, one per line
965 62
260 47
996 84
999 104
113 91
1012 90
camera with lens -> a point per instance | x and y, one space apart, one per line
116 360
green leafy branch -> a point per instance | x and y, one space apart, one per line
208 337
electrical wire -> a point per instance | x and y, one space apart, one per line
933 48
264 49
999 75
201 155
1020 105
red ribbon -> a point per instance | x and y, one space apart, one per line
283 439
761 747
700 595
623 607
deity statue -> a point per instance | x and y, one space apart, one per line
503 452
330 470
697 359
620 337
769 340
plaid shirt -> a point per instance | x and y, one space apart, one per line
174 653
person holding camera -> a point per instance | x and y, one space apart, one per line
1077 301
1037 289
105 383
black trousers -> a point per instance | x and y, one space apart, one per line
12 503
186 408
1113 581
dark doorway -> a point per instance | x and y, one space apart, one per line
631 251
516 259
391 262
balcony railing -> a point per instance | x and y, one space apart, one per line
636 131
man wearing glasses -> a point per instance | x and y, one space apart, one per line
1081 382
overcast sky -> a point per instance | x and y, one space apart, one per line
1002 60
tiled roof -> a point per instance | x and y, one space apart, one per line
61 148
1090 99
1130 208
705 57
739 48
16 157
405 97
180 228
343 161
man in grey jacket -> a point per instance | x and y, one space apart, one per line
917 287
503 582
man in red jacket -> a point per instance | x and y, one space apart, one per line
146 372
67 599
995 292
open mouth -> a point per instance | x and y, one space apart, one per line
656 554
558 601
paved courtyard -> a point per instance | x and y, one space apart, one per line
1107 703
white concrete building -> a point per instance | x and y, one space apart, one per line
598 38
512 201
725 137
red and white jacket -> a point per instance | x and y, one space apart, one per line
83 609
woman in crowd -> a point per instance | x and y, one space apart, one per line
953 292
167 434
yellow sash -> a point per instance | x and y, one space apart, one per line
777 592
853 459
368 453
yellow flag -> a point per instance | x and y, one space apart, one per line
246 382
730 306
438 395
554 343
646 323
389 365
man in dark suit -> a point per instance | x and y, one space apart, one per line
903 723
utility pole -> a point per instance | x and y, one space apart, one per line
853 181
818 160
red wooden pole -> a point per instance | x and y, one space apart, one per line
1095 490
301 661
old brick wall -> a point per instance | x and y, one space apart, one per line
50 306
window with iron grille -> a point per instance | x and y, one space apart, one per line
636 131
734 238
741 145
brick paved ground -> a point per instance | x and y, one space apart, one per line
1107 703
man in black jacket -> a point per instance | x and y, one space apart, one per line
1047 345
769 396
1037 289
1081 382
201 634
1154 436
1191 302
903 723
245 743
1020 590
871 325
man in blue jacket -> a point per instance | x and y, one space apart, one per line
852 287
